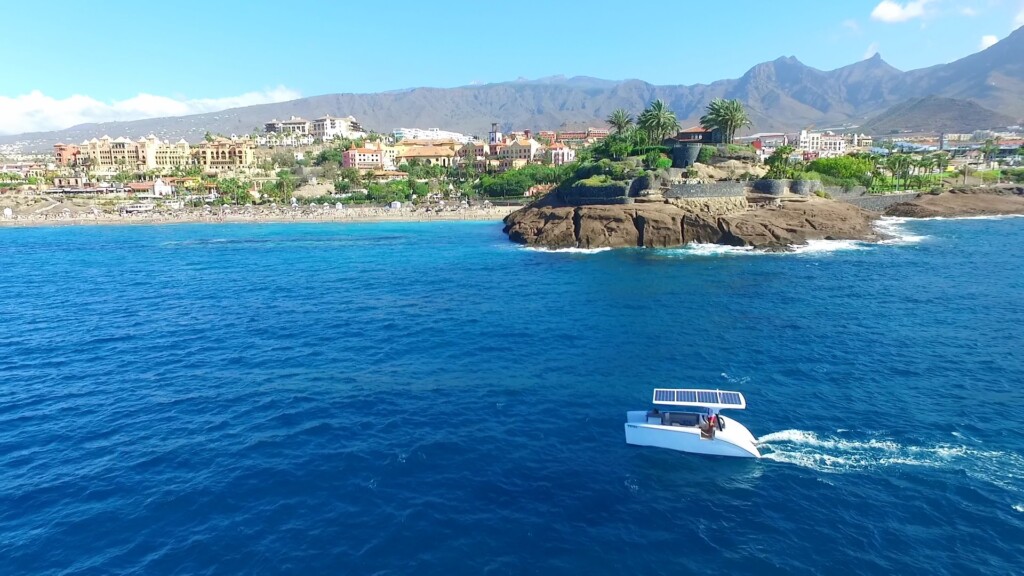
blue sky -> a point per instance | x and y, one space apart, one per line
71 62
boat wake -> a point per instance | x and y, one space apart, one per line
836 454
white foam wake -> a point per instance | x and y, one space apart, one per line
836 454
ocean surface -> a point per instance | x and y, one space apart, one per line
431 399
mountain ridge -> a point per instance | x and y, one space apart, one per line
782 94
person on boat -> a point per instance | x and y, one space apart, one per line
712 425
707 427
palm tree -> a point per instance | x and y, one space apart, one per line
658 121
989 149
725 117
966 170
620 120
899 166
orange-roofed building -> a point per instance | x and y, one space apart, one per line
363 159
428 155
694 134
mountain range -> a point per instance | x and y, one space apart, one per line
783 94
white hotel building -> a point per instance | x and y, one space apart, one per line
826 144
433 134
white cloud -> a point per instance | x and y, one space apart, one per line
1018 21
988 40
871 51
968 11
890 11
852 26
35 111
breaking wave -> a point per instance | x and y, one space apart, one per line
568 250
892 227
811 247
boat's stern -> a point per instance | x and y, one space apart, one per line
738 435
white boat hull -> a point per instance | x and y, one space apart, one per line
735 440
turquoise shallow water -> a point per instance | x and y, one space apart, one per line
391 398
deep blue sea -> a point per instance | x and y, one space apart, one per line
431 399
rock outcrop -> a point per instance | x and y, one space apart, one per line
1006 199
658 225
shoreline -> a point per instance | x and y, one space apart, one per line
351 215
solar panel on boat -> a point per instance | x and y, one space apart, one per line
707 396
697 397
686 395
730 398
664 396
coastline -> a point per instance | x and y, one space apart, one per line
348 215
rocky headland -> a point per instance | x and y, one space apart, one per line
960 202
707 205
774 225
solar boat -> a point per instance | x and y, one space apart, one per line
689 420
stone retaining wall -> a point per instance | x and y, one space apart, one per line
583 195
771 187
840 193
878 202
707 190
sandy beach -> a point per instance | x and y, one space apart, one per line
55 213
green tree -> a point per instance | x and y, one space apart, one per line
844 168
283 159
899 166
620 120
724 118
286 183
989 149
658 121
235 189
778 162
350 175
329 156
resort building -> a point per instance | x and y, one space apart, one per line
149 153
330 127
286 139
155 154
225 153
428 155
293 125
861 141
429 134
825 144
476 149
559 154
403 146
364 159
65 154
521 149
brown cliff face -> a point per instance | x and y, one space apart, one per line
1007 199
661 225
